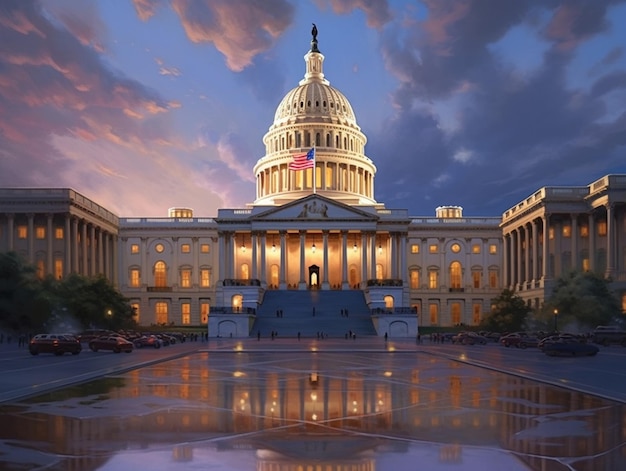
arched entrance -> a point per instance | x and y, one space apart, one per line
314 277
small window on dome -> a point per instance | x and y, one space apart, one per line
301 104
317 104
324 103
308 103
332 105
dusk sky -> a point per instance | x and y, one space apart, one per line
142 105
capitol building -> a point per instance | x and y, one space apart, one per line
316 237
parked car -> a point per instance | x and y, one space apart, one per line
469 338
518 339
570 348
57 344
608 334
148 341
90 334
562 337
114 343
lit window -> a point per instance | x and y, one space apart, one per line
433 279
204 312
415 279
551 233
476 248
584 231
205 248
58 268
476 311
22 232
456 248
58 233
602 228
477 278
159 248
493 249
586 265
433 248
40 232
493 279
433 310
185 278
160 276
567 231
415 248
455 312
185 313
41 269
135 279
185 248
205 278
160 309
134 248
455 275
135 308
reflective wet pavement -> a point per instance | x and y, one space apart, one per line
313 410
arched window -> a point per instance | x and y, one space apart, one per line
415 279
455 275
160 274
245 271
388 302
237 302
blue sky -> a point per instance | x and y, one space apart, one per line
143 105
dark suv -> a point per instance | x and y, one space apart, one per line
608 334
54 343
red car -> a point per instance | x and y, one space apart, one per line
54 343
114 343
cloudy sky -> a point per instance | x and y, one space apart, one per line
146 104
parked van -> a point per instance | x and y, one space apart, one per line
608 334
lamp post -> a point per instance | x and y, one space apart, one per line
556 315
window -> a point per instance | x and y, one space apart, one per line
160 274
586 265
40 232
433 248
493 249
477 279
41 269
135 308
456 248
415 279
455 311
551 233
134 248
58 233
566 231
602 228
476 248
205 278
160 310
205 248
455 275
185 278
135 278
433 310
185 313
22 232
204 312
493 278
415 248
185 248
584 231
159 248
58 268
476 310
433 279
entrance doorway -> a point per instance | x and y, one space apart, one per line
314 277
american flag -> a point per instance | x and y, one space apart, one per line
303 161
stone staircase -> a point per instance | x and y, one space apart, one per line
313 312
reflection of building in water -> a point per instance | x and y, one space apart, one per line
276 409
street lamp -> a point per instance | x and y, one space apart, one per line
556 315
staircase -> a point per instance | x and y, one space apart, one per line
313 312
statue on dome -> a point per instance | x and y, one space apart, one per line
314 40
314 32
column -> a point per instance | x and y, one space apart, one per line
363 259
10 231
592 242
232 254
574 239
172 272
83 246
325 282
31 238
610 241
67 235
526 254
394 255
403 256
254 241
545 219
344 260
195 250
221 248
115 272
518 256
373 258
506 253
558 229
283 260
302 283
263 259
92 247
535 250
101 254
75 246
107 257
49 249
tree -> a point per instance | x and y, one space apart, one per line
583 300
508 313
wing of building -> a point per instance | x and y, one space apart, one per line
316 246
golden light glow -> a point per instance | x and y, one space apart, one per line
387 374
238 374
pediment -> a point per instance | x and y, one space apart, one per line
315 208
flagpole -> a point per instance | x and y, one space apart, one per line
314 167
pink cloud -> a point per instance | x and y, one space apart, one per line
376 12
